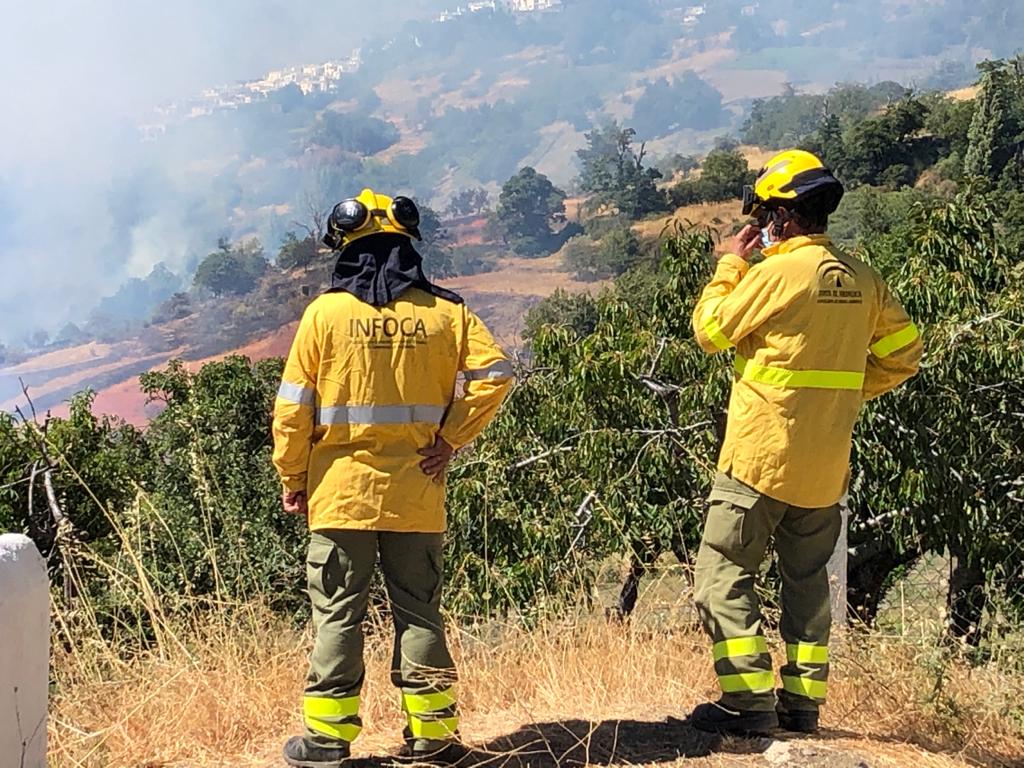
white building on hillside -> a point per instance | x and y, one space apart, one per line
531 6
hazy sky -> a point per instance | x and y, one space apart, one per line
77 75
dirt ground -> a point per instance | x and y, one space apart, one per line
668 741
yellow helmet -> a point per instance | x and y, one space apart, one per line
791 177
371 214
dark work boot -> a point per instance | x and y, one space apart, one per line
304 753
433 751
797 720
716 717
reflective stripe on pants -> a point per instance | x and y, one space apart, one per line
335 718
740 523
431 715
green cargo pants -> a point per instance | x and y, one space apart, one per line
740 523
339 567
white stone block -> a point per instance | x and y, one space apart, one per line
24 653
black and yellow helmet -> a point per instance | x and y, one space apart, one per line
790 178
371 214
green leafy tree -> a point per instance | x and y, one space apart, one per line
723 175
789 119
577 311
827 142
354 132
601 449
923 480
990 127
232 270
886 149
613 174
215 487
615 253
435 247
467 202
295 253
70 335
529 209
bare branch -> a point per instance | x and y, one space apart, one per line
583 517
542 456
662 343
31 405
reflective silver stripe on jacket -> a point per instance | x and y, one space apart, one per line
500 370
381 414
295 393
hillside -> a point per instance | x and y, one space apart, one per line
501 297
453 101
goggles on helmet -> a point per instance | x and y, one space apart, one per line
352 215
749 199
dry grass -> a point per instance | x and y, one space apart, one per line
226 692
724 218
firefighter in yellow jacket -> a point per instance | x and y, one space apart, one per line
816 332
365 423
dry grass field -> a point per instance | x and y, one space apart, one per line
225 691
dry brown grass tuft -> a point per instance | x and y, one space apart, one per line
226 692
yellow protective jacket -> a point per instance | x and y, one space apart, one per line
816 333
364 389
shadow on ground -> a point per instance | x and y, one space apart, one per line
571 743
579 742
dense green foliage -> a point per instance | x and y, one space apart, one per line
616 252
466 202
529 210
232 269
723 175
787 119
608 443
353 133
613 174
297 253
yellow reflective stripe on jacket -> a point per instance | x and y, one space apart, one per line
802 686
714 331
500 370
807 653
444 728
420 703
747 682
323 714
740 646
380 414
895 341
787 379
296 393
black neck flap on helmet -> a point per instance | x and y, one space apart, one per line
379 268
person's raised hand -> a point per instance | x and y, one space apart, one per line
746 242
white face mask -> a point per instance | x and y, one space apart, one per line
766 236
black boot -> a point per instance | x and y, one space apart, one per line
304 753
433 751
718 718
797 720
